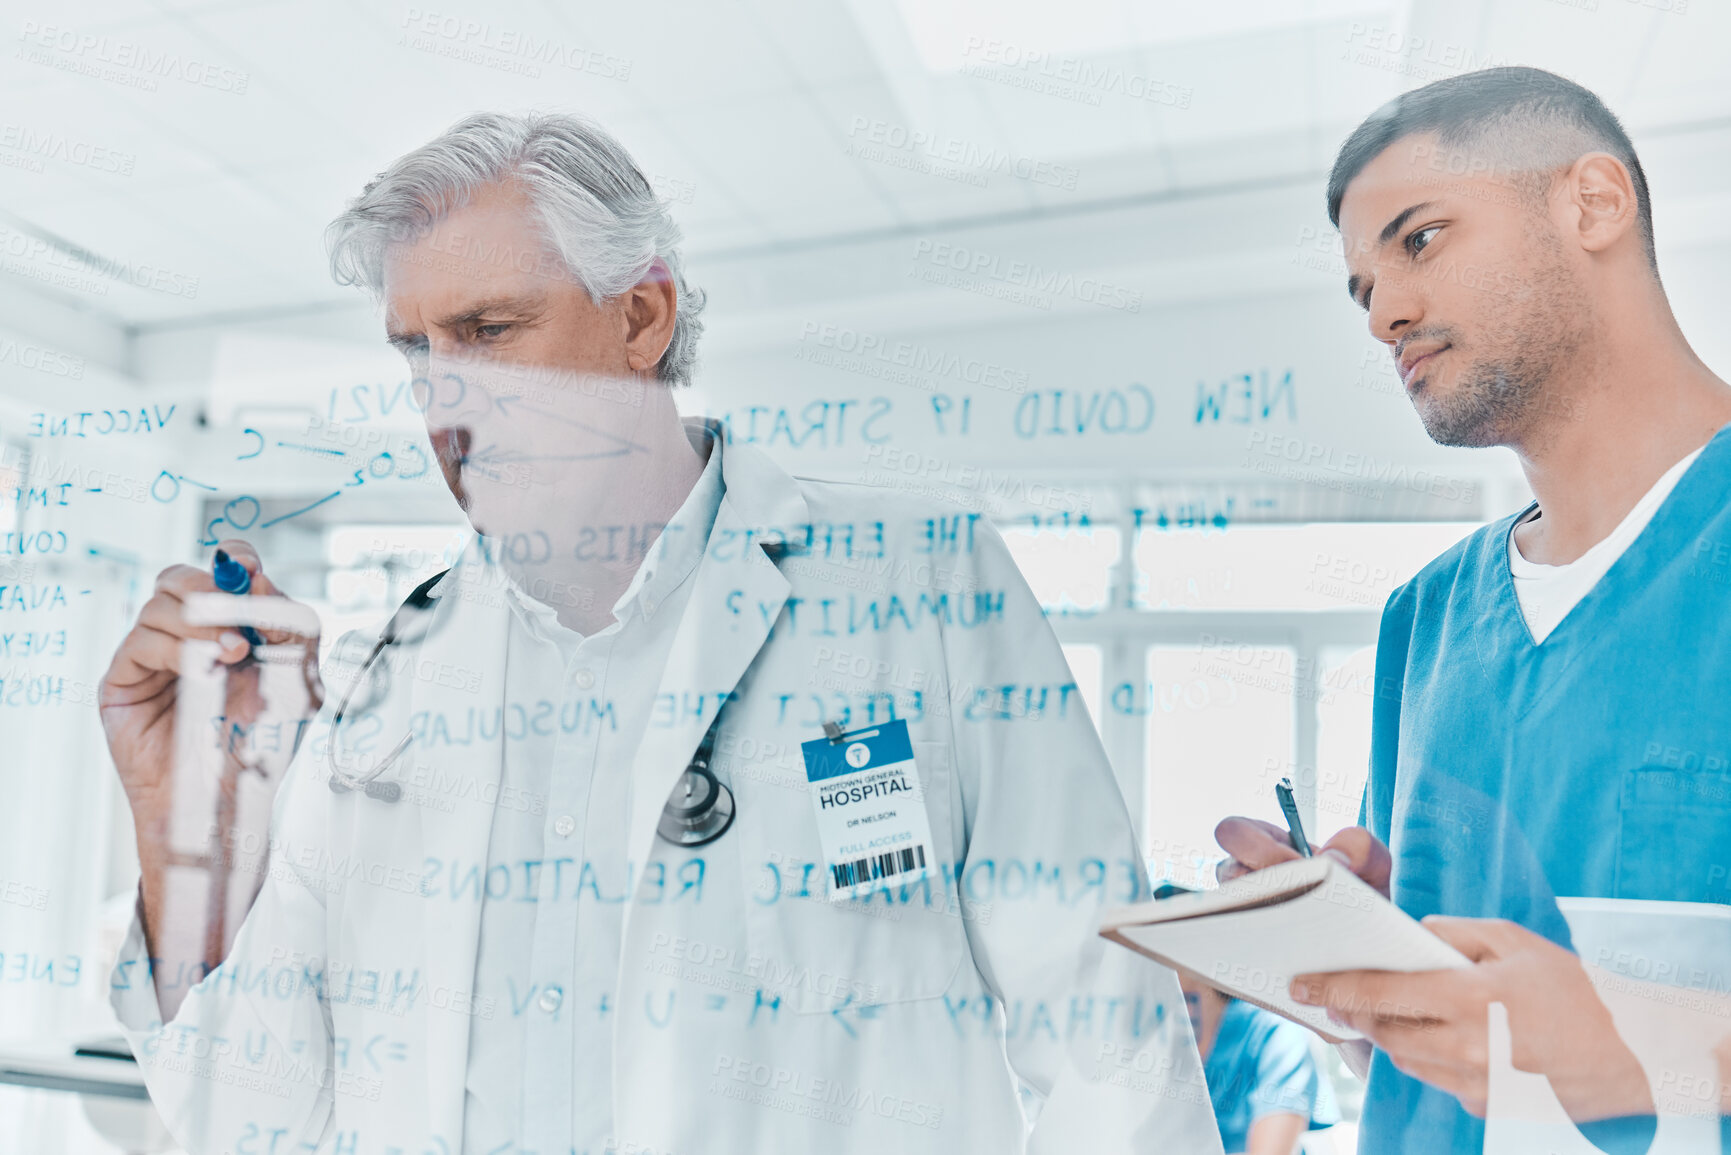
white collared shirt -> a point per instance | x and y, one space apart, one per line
554 884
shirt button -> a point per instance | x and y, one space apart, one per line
648 605
550 999
564 825
585 679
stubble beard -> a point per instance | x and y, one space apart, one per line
1538 331
1490 405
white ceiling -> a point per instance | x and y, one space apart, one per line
748 113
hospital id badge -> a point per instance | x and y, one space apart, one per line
871 809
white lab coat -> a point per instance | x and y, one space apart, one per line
758 1019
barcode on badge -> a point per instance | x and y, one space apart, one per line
882 866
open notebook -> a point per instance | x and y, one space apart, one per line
1250 936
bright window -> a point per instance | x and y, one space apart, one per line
1220 733
1069 569
1318 566
1343 707
1087 667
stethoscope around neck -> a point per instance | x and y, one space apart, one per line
699 810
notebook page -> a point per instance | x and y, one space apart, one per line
1339 925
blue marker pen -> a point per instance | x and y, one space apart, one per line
232 578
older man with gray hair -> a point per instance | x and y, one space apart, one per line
695 808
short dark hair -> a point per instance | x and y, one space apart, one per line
1504 110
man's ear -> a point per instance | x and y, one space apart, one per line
1602 194
650 307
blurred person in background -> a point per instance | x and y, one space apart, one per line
1262 1078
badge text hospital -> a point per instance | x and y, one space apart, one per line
871 812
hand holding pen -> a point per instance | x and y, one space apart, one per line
140 697
1255 844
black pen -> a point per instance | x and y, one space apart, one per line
1289 807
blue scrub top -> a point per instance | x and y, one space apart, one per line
1598 764
1261 1065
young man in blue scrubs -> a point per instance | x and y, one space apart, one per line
1551 714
